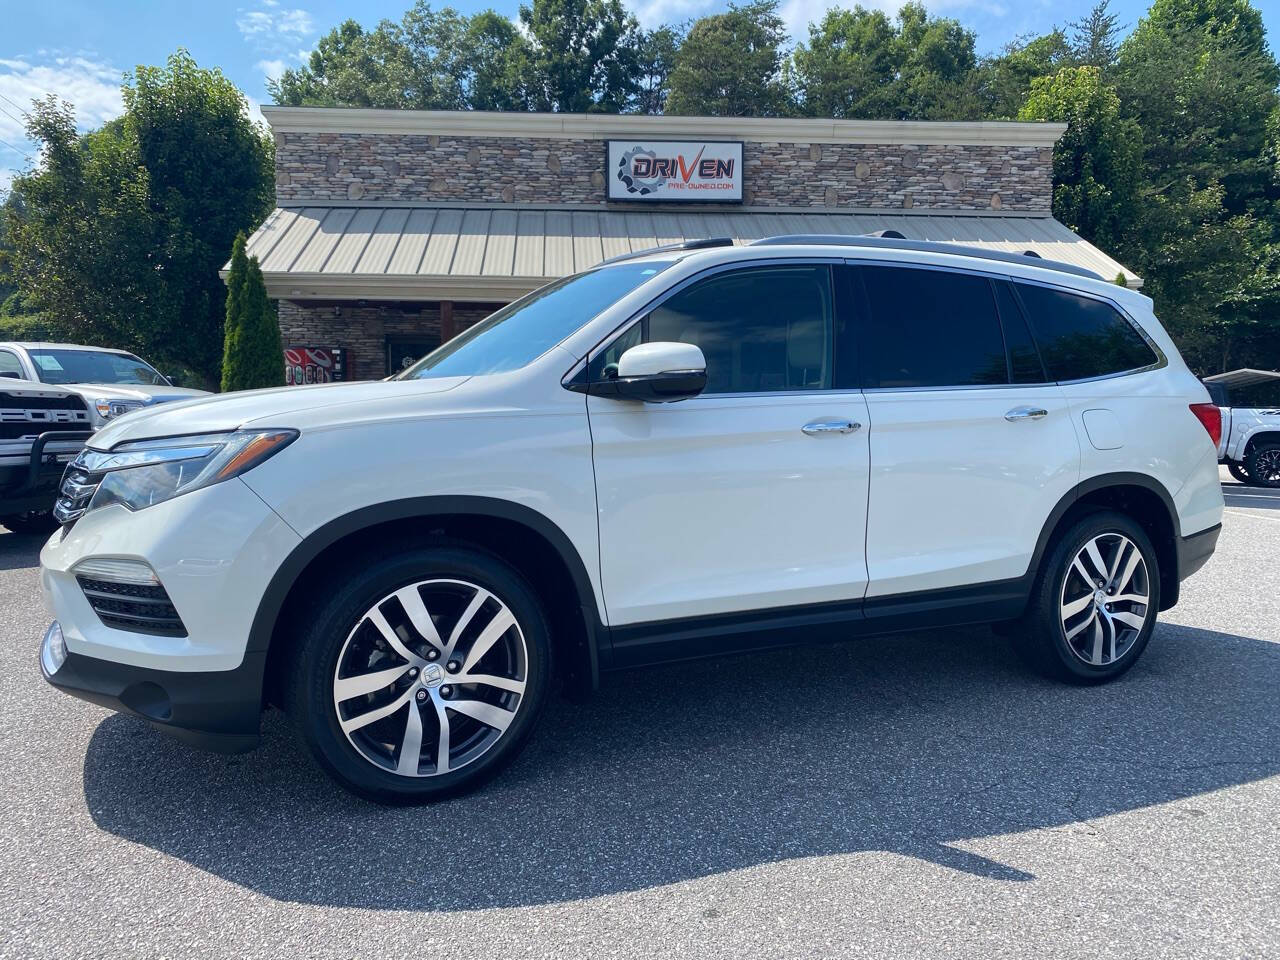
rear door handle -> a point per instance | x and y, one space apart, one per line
819 427
1026 413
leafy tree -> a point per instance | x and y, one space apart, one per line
1095 38
430 60
119 234
1005 81
655 59
252 353
582 55
849 68
937 67
1096 163
730 64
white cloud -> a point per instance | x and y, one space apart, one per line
271 27
282 36
90 85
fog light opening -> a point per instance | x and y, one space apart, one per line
53 652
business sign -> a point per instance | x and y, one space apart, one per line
303 365
680 171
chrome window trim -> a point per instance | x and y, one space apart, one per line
659 299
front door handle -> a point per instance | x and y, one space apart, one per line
1026 413
819 427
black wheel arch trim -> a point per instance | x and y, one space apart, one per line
273 599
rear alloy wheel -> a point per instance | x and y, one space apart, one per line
1263 464
35 522
1240 472
433 684
1094 605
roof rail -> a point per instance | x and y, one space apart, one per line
667 247
886 242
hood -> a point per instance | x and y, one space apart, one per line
31 388
276 407
139 392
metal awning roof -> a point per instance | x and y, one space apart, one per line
496 253
1245 377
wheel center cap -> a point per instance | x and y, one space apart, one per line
432 675
1099 596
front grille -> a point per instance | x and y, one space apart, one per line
78 488
133 606
27 417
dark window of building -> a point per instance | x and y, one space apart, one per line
762 329
931 328
1080 337
1024 359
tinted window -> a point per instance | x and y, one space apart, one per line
525 330
931 328
9 363
1024 360
93 366
1080 337
763 329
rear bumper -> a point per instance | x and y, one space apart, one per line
1194 551
215 710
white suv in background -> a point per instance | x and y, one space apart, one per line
688 452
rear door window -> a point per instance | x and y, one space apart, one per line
1080 337
930 328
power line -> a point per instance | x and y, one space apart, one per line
13 104
6 143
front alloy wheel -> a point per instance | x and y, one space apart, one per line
1263 463
430 678
422 674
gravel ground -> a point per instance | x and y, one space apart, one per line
915 796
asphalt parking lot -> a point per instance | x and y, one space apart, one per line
914 796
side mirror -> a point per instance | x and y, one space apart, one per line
656 373
175 379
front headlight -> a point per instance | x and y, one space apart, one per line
147 472
110 409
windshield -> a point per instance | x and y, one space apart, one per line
525 330
93 366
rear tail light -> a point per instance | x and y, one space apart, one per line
1210 418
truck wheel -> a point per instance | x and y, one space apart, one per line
38 522
1263 464
1240 472
1094 604
422 674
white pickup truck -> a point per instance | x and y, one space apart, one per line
1250 404
42 427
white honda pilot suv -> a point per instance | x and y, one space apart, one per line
684 452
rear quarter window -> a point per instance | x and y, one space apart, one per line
1080 337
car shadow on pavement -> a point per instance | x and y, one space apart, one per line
19 551
913 745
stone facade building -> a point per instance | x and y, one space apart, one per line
395 230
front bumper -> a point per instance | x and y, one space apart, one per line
30 481
217 711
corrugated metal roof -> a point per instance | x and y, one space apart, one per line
506 243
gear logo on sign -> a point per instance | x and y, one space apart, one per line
629 180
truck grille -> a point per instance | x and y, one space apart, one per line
132 606
28 417
78 488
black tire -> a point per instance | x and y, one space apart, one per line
309 689
1042 637
1263 464
33 522
1240 472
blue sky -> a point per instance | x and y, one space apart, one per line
79 49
